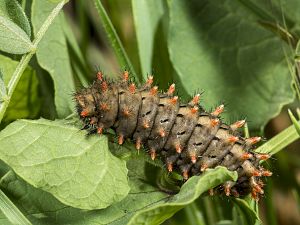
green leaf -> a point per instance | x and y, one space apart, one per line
11 211
114 40
52 55
12 38
189 192
25 101
59 159
12 10
34 202
219 46
146 15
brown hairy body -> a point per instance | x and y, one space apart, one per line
187 138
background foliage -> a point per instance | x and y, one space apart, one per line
240 52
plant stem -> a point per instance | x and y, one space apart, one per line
280 141
26 58
11 212
114 40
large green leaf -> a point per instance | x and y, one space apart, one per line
52 55
11 9
220 47
189 192
60 159
34 202
12 38
146 15
143 199
25 102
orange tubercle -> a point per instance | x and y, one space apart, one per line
132 88
232 139
162 132
149 81
238 124
246 156
263 156
173 100
193 159
196 99
125 75
146 124
104 86
99 130
214 122
138 143
178 148
185 175
100 75
194 110
93 120
84 113
254 195
266 173
218 110
258 189
256 173
121 139
104 106
170 167
154 90
203 167
153 154
126 112
171 89
227 190
253 140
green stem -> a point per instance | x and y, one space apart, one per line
26 58
280 141
115 40
11 212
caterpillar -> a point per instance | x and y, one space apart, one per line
185 136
